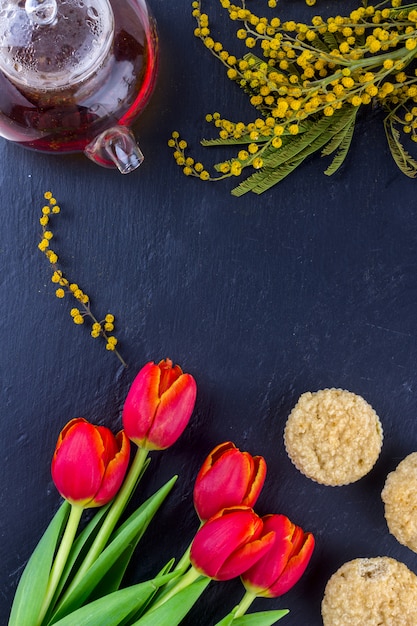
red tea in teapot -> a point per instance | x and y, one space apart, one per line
60 92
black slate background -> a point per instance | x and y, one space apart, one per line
311 285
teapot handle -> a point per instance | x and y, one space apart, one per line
116 146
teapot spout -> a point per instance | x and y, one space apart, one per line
116 146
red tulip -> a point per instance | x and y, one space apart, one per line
284 564
229 543
89 463
159 405
228 477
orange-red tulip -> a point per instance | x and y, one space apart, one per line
229 543
284 564
158 405
228 477
89 463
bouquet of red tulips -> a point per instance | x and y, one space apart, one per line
75 575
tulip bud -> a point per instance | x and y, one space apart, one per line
159 405
89 463
284 564
229 543
228 477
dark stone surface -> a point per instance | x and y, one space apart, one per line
311 285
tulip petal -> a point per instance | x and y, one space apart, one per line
141 403
284 564
77 464
169 375
223 484
110 446
115 470
246 557
257 481
217 452
221 535
266 572
215 455
173 413
295 568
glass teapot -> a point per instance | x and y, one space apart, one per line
75 75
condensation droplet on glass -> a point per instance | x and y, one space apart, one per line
92 12
15 29
42 12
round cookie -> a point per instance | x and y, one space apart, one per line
400 498
371 592
333 436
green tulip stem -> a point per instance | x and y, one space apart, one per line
184 561
181 567
184 581
113 515
61 557
245 603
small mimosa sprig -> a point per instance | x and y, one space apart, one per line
82 312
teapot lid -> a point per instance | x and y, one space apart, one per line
53 44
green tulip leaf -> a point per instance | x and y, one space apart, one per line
227 620
263 618
134 616
173 611
112 579
137 614
34 581
131 531
112 609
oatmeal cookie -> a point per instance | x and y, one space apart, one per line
400 499
378 591
333 436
